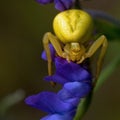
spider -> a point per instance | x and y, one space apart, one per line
73 32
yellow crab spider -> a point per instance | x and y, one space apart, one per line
73 28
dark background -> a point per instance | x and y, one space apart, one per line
22 26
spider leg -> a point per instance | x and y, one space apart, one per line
100 42
50 38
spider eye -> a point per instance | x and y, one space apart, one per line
75 47
73 26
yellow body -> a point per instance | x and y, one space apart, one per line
73 26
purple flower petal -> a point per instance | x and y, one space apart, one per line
48 102
52 51
58 117
63 4
56 78
68 72
44 1
73 90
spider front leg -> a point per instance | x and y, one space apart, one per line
50 38
100 42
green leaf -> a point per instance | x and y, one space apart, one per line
110 30
107 72
83 107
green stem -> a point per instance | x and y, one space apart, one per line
83 107
107 72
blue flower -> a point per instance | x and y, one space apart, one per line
68 116
53 105
74 90
69 72
76 83
50 103
59 4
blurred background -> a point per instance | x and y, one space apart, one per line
22 26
